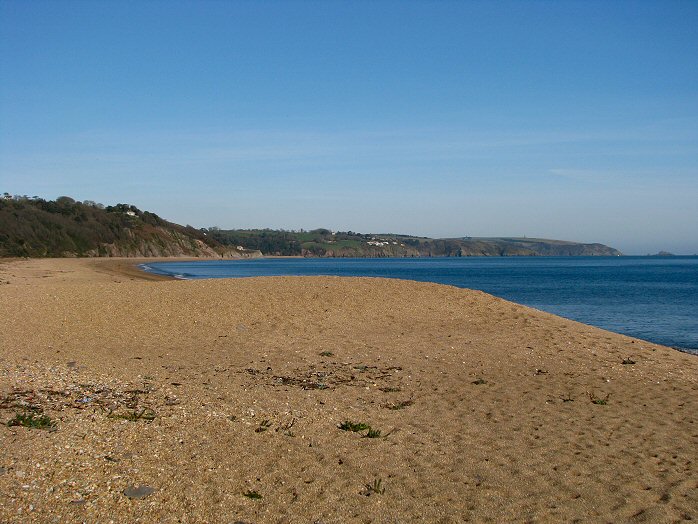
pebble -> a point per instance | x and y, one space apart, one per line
138 492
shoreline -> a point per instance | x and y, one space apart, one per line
689 350
207 391
130 268
127 268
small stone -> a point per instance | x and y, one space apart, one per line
72 364
138 492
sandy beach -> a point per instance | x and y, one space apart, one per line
222 401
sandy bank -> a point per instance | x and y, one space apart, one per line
485 407
86 270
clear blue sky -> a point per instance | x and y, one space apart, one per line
570 120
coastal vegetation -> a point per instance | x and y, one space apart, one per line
325 243
65 227
348 425
374 488
34 227
31 420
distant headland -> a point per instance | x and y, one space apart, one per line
326 243
34 227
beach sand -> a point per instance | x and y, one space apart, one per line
236 388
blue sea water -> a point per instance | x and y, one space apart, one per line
652 298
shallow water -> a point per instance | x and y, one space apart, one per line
653 298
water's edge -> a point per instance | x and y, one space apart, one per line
610 294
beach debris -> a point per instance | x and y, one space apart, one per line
30 404
138 492
72 364
568 398
305 383
252 494
540 372
330 375
3 471
263 426
399 405
326 354
627 361
479 381
286 428
134 416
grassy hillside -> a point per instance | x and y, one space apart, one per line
34 227
326 243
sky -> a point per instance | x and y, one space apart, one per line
551 119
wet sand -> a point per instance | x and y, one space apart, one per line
213 393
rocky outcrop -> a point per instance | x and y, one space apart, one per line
167 243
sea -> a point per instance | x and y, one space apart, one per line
651 298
